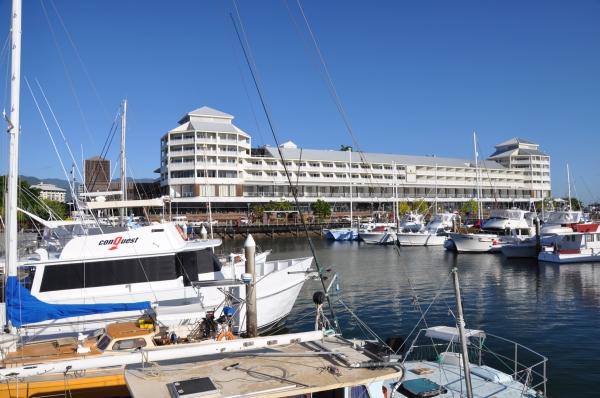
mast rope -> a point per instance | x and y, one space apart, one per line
274 132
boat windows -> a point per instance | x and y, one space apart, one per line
337 393
359 392
103 343
108 273
129 344
26 275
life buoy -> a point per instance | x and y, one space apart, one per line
226 335
180 231
237 259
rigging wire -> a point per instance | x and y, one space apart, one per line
274 132
68 76
337 101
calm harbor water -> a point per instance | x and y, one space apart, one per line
548 308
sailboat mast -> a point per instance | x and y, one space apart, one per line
460 323
123 160
436 190
477 177
350 180
569 184
13 130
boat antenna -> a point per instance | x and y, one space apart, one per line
258 86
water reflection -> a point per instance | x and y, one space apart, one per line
546 307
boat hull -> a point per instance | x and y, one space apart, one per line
342 234
519 250
419 239
378 238
474 243
275 298
566 257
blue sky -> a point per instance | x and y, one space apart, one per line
414 77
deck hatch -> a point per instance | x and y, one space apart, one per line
191 388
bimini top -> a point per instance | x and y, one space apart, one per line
448 333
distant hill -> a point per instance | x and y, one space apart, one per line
65 184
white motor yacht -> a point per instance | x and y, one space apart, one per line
435 232
502 227
127 272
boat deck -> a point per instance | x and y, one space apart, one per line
281 371
486 382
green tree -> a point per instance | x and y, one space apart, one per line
574 202
470 206
258 210
403 208
280 205
27 198
345 148
58 209
321 208
419 206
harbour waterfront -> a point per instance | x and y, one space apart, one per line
552 309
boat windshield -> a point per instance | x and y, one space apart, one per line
563 217
103 343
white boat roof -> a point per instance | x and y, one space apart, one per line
101 193
120 204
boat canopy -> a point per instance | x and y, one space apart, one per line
22 308
121 204
448 333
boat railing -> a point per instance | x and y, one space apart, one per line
521 363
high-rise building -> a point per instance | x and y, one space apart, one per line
97 174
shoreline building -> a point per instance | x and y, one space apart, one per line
208 158
51 192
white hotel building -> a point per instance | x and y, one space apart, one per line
208 158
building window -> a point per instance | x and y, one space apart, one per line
302 164
315 175
226 190
328 165
288 164
272 163
272 173
182 174
206 173
227 174
302 174
328 175
314 164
